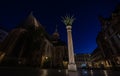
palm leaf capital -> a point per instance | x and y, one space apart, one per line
68 20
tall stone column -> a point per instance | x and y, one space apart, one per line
67 20
71 65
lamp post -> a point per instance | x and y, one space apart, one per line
67 20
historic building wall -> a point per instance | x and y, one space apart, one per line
108 40
30 45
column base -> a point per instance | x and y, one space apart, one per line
72 67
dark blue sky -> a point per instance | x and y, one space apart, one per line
49 12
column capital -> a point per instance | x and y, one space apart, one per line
68 27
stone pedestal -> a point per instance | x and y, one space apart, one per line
72 67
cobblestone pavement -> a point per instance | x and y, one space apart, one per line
14 71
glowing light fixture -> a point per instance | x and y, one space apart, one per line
46 57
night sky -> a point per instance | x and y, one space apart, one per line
49 13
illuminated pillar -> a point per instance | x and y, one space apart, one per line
67 20
71 65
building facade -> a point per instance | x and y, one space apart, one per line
3 35
108 40
60 53
30 45
97 58
83 60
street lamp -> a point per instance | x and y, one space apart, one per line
46 57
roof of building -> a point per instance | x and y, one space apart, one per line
32 23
